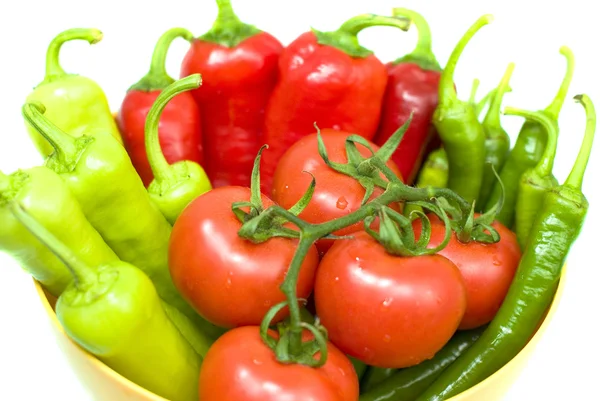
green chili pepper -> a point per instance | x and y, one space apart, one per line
359 367
527 151
113 311
535 182
51 202
74 103
479 105
434 173
374 376
459 129
497 141
113 198
174 186
407 384
556 227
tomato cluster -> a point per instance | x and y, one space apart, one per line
384 309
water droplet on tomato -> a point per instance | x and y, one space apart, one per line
267 303
387 302
228 283
257 362
387 338
337 279
342 203
496 261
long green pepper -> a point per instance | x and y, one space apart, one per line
434 173
497 141
99 172
459 128
49 200
407 384
114 312
556 227
174 185
528 150
537 181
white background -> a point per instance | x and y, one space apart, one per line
526 32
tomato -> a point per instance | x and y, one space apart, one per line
487 269
335 195
385 310
240 367
229 280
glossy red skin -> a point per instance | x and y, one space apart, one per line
236 85
387 311
240 367
409 88
320 84
487 269
336 194
229 280
179 129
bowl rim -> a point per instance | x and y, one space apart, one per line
124 382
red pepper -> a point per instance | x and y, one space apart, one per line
413 82
179 130
238 63
329 79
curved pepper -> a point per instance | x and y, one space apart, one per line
556 228
407 384
175 185
180 128
238 63
329 79
374 376
412 87
112 196
497 141
50 201
112 310
537 181
74 103
460 131
528 150
434 173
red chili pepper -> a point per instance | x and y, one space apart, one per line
179 129
238 63
329 79
413 82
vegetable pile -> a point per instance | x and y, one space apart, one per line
299 222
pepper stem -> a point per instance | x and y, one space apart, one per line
492 118
554 108
546 163
158 78
83 275
53 68
356 24
474 89
228 30
63 144
575 178
447 92
158 163
423 50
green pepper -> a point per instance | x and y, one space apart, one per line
479 105
497 141
374 376
113 311
460 131
74 103
527 151
176 185
359 367
535 182
434 173
407 384
556 227
51 202
99 172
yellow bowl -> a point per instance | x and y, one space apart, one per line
108 385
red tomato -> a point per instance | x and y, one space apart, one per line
385 310
487 269
240 367
229 280
335 195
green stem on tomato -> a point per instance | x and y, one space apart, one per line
162 170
